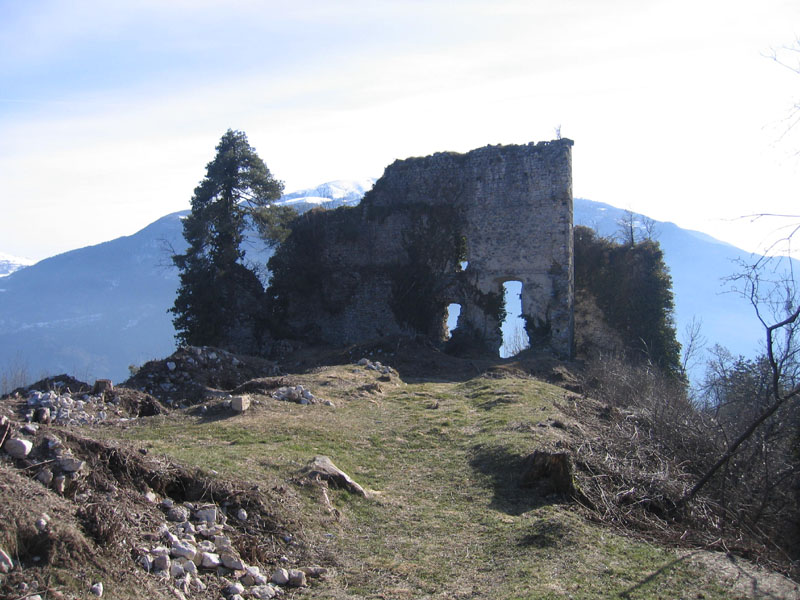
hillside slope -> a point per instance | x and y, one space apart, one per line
448 512
93 311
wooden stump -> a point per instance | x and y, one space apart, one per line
548 473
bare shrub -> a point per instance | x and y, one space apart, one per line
652 442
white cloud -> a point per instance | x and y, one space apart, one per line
667 101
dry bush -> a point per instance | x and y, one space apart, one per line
658 403
651 443
760 485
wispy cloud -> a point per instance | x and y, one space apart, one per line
110 111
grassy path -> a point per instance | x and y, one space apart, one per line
446 519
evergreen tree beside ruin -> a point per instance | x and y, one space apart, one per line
220 300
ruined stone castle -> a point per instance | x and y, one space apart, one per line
435 231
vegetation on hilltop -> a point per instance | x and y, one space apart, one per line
630 284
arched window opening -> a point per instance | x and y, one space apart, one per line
453 312
515 338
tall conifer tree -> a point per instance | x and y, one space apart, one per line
219 299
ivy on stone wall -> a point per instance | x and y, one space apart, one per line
434 246
631 285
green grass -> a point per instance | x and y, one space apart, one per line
447 519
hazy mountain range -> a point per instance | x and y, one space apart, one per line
94 311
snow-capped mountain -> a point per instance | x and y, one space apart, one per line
93 312
329 195
9 264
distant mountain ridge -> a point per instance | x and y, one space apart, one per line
94 311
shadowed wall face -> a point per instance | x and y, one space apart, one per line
393 264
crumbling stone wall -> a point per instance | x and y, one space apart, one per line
392 265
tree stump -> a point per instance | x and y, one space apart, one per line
548 473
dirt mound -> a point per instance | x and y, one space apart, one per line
76 511
417 359
57 383
194 373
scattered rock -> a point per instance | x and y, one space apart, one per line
42 523
29 429
189 567
97 589
231 561
178 514
233 588
253 576
6 564
240 403
298 394
209 560
183 549
280 576
45 476
206 513
70 464
42 415
63 407
322 467
376 366
161 562
314 572
297 578
193 373
176 569
263 592
18 448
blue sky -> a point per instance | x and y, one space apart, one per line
109 111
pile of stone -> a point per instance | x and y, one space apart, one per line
59 468
298 394
194 543
191 372
64 408
376 366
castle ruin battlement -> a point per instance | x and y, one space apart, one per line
392 264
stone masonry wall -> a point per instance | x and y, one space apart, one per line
392 264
